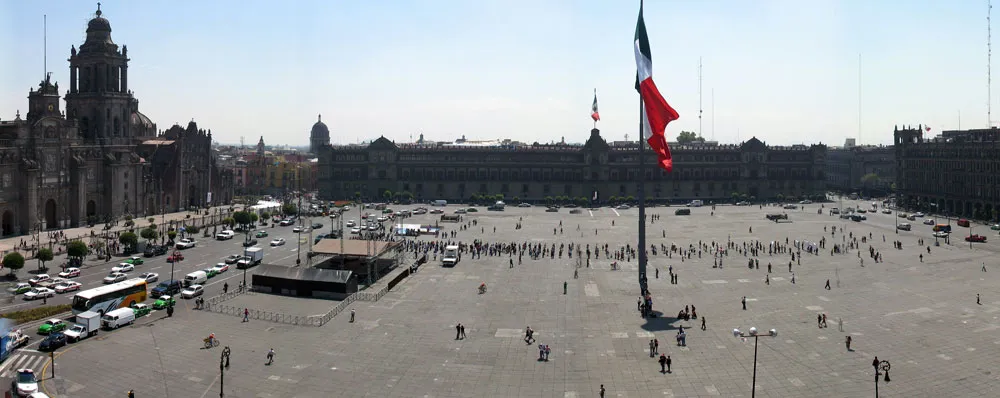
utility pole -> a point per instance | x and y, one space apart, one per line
699 98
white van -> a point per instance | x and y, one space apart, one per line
439 203
195 278
450 257
118 318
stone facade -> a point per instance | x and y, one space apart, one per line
846 168
956 174
536 172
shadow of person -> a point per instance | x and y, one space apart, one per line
658 322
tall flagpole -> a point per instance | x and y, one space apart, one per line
642 201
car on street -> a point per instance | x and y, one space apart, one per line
186 243
225 235
297 229
71 272
221 267
26 383
52 342
286 222
164 302
232 258
192 291
250 242
114 277
805 202
141 309
123 267
316 225
995 227
39 279
350 223
524 204
912 218
134 260
918 214
167 288
20 288
623 207
210 272
355 230
68 286
177 256
278 242
970 238
261 234
437 211
51 326
150 277
419 211
155 250
928 221
902 215
38 293
903 226
941 234
886 211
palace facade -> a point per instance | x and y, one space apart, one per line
537 172
871 169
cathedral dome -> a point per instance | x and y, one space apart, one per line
99 23
99 35
320 131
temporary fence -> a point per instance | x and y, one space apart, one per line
372 296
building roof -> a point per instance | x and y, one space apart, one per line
300 273
353 247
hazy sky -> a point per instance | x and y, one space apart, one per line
785 71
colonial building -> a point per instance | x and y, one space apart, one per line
319 136
183 170
66 169
956 173
536 172
871 169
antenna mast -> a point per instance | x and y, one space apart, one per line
713 114
859 99
989 69
45 46
699 97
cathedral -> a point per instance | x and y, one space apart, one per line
101 159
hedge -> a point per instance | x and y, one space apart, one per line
35 314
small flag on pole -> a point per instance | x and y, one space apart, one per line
595 196
593 108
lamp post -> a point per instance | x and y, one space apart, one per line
223 364
753 333
884 367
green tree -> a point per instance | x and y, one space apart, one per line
870 180
289 209
548 200
151 220
630 199
192 229
171 234
228 221
387 195
264 215
129 240
77 249
13 261
242 218
613 199
44 255
253 219
687 137
516 199
149 234
780 197
735 196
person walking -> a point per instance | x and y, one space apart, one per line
702 323
827 287
461 329
977 299
352 315
246 314
848 342
744 301
652 349
458 331
663 363
270 357
225 288
131 393
668 363
602 391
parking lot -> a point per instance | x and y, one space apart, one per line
921 316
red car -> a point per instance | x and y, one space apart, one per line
177 256
975 238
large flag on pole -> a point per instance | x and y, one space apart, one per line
593 108
657 112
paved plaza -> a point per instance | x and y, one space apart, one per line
920 316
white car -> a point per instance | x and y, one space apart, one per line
286 222
192 291
225 235
420 211
150 277
278 242
928 221
918 214
220 268
298 229
903 226
70 272
351 223
524 205
39 292
39 279
886 211
123 267
623 207
114 277
437 211
355 230
26 383
68 286
186 243
941 234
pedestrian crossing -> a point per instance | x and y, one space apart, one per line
22 360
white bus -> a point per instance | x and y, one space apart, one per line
111 297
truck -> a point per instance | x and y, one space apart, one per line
11 341
251 256
439 202
450 256
87 324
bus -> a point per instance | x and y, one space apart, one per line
111 297
942 227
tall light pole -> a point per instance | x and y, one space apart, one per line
884 367
223 365
753 333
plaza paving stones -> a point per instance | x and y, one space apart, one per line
920 316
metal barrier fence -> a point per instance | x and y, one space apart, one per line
228 296
372 296
214 304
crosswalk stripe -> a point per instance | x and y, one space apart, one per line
8 362
19 361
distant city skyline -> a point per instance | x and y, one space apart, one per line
783 71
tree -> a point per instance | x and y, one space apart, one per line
780 197
548 200
149 234
630 199
129 240
228 221
687 137
171 234
77 249
44 255
192 229
387 194
13 261
151 220
254 218
289 209
869 180
735 196
516 199
242 218
264 215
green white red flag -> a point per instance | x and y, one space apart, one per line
656 112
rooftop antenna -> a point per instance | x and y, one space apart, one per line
699 97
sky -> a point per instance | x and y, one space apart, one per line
784 71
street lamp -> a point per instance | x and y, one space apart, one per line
223 365
753 333
884 367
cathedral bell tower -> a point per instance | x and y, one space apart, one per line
98 95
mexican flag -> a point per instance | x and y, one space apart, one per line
593 108
656 113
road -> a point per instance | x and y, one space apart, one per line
207 253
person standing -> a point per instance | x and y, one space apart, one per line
977 299
246 314
652 349
656 346
602 391
352 315
663 363
461 329
668 363
702 323
458 331
744 301
270 356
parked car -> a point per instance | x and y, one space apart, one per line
52 342
995 227
38 293
186 243
52 326
114 277
437 211
278 242
71 272
261 234
68 286
232 258
39 279
918 214
192 291
164 302
123 267
225 235
150 277
886 211
524 205
970 238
